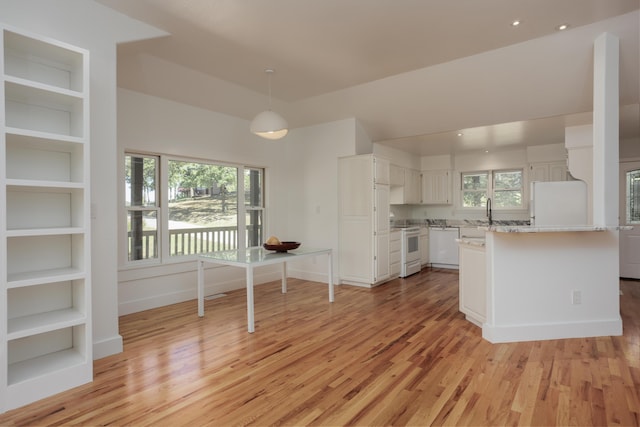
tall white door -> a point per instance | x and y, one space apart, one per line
630 215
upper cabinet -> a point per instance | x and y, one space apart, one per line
44 211
551 171
436 187
396 176
405 186
381 170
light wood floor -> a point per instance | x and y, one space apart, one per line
400 354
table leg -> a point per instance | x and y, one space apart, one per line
250 320
330 279
200 288
284 277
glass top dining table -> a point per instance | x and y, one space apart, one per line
249 258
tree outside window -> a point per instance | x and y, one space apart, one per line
202 206
141 181
196 208
505 188
633 196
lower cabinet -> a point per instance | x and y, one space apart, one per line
424 246
394 254
473 289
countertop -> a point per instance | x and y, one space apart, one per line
550 229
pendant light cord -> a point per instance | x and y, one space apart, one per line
269 72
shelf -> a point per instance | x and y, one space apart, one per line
21 327
45 227
49 186
49 62
32 278
43 87
39 158
48 138
36 232
34 251
43 365
36 109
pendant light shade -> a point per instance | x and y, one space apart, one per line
269 124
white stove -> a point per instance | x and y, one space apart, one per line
409 251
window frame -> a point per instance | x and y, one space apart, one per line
491 190
162 188
144 209
629 204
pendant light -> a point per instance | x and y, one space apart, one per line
269 124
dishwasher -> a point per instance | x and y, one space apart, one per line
443 248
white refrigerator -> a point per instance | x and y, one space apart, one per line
559 203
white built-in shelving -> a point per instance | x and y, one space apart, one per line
44 198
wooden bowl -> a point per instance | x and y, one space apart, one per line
282 247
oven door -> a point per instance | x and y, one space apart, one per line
412 247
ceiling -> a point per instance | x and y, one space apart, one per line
414 72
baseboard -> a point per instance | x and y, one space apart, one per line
552 331
168 298
107 347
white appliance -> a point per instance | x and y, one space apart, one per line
409 251
443 248
558 203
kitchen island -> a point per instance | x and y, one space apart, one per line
549 283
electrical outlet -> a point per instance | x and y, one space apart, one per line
576 297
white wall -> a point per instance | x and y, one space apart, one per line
154 125
98 29
301 189
313 207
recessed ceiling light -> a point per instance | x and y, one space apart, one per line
460 133
515 23
486 151
563 27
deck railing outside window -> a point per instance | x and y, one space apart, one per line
190 241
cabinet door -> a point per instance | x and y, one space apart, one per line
558 171
436 187
545 172
411 186
396 176
381 208
381 170
381 259
424 249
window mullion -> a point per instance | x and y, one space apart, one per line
242 215
163 213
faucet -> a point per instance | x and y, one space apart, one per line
489 214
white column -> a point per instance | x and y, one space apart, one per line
605 130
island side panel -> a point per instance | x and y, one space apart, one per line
532 278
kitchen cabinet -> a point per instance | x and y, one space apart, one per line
409 192
364 256
424 246
394 254
44 211
436 187
472 280
545 172
396 176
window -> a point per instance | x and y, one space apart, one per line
141 188
475 187
633 197
202 207
192 207
503 187
254 205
